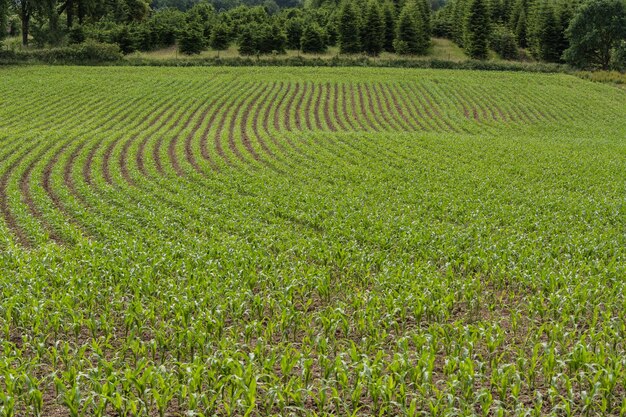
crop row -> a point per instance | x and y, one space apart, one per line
252 242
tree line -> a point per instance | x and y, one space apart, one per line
584 33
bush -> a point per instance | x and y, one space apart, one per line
89 52
503 41
76 35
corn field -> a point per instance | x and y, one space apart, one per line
311 242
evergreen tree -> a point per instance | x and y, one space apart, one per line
190 40
373 33
408 35
389 22
294 29
247 42
270 38
476 29
313 39
349 29
220 37
426 18
519 22
547 35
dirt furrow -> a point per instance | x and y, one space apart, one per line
141 150
327 106
374 124
267 105
344 106
171 149
288 107
8 216
395 111
342 126
27 196
386 111
397 95
243 124
307 107
298 111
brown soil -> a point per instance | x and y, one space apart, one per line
327 117
364 111
9 219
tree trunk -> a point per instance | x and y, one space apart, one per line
69 11
25 15
81 11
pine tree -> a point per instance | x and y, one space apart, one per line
373 33
518 23
426 14
408 35
313 41
349 42
294 29
191 40
389 19
476 29
547 42
247 42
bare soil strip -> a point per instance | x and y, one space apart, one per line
344 106
340 122
327 117
141 150
384 125
27 195
171 149
397 94
307 108
394 111
289 105
8 216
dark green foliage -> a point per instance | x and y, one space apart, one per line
76 34
313 39
547 35
4 18
202 15
294 29
270 39
389 21
476 29
349 30
191 40
220 37
373 31
409 34
503 42
165 24
426 19
519 22
89 52
247 42
595 31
